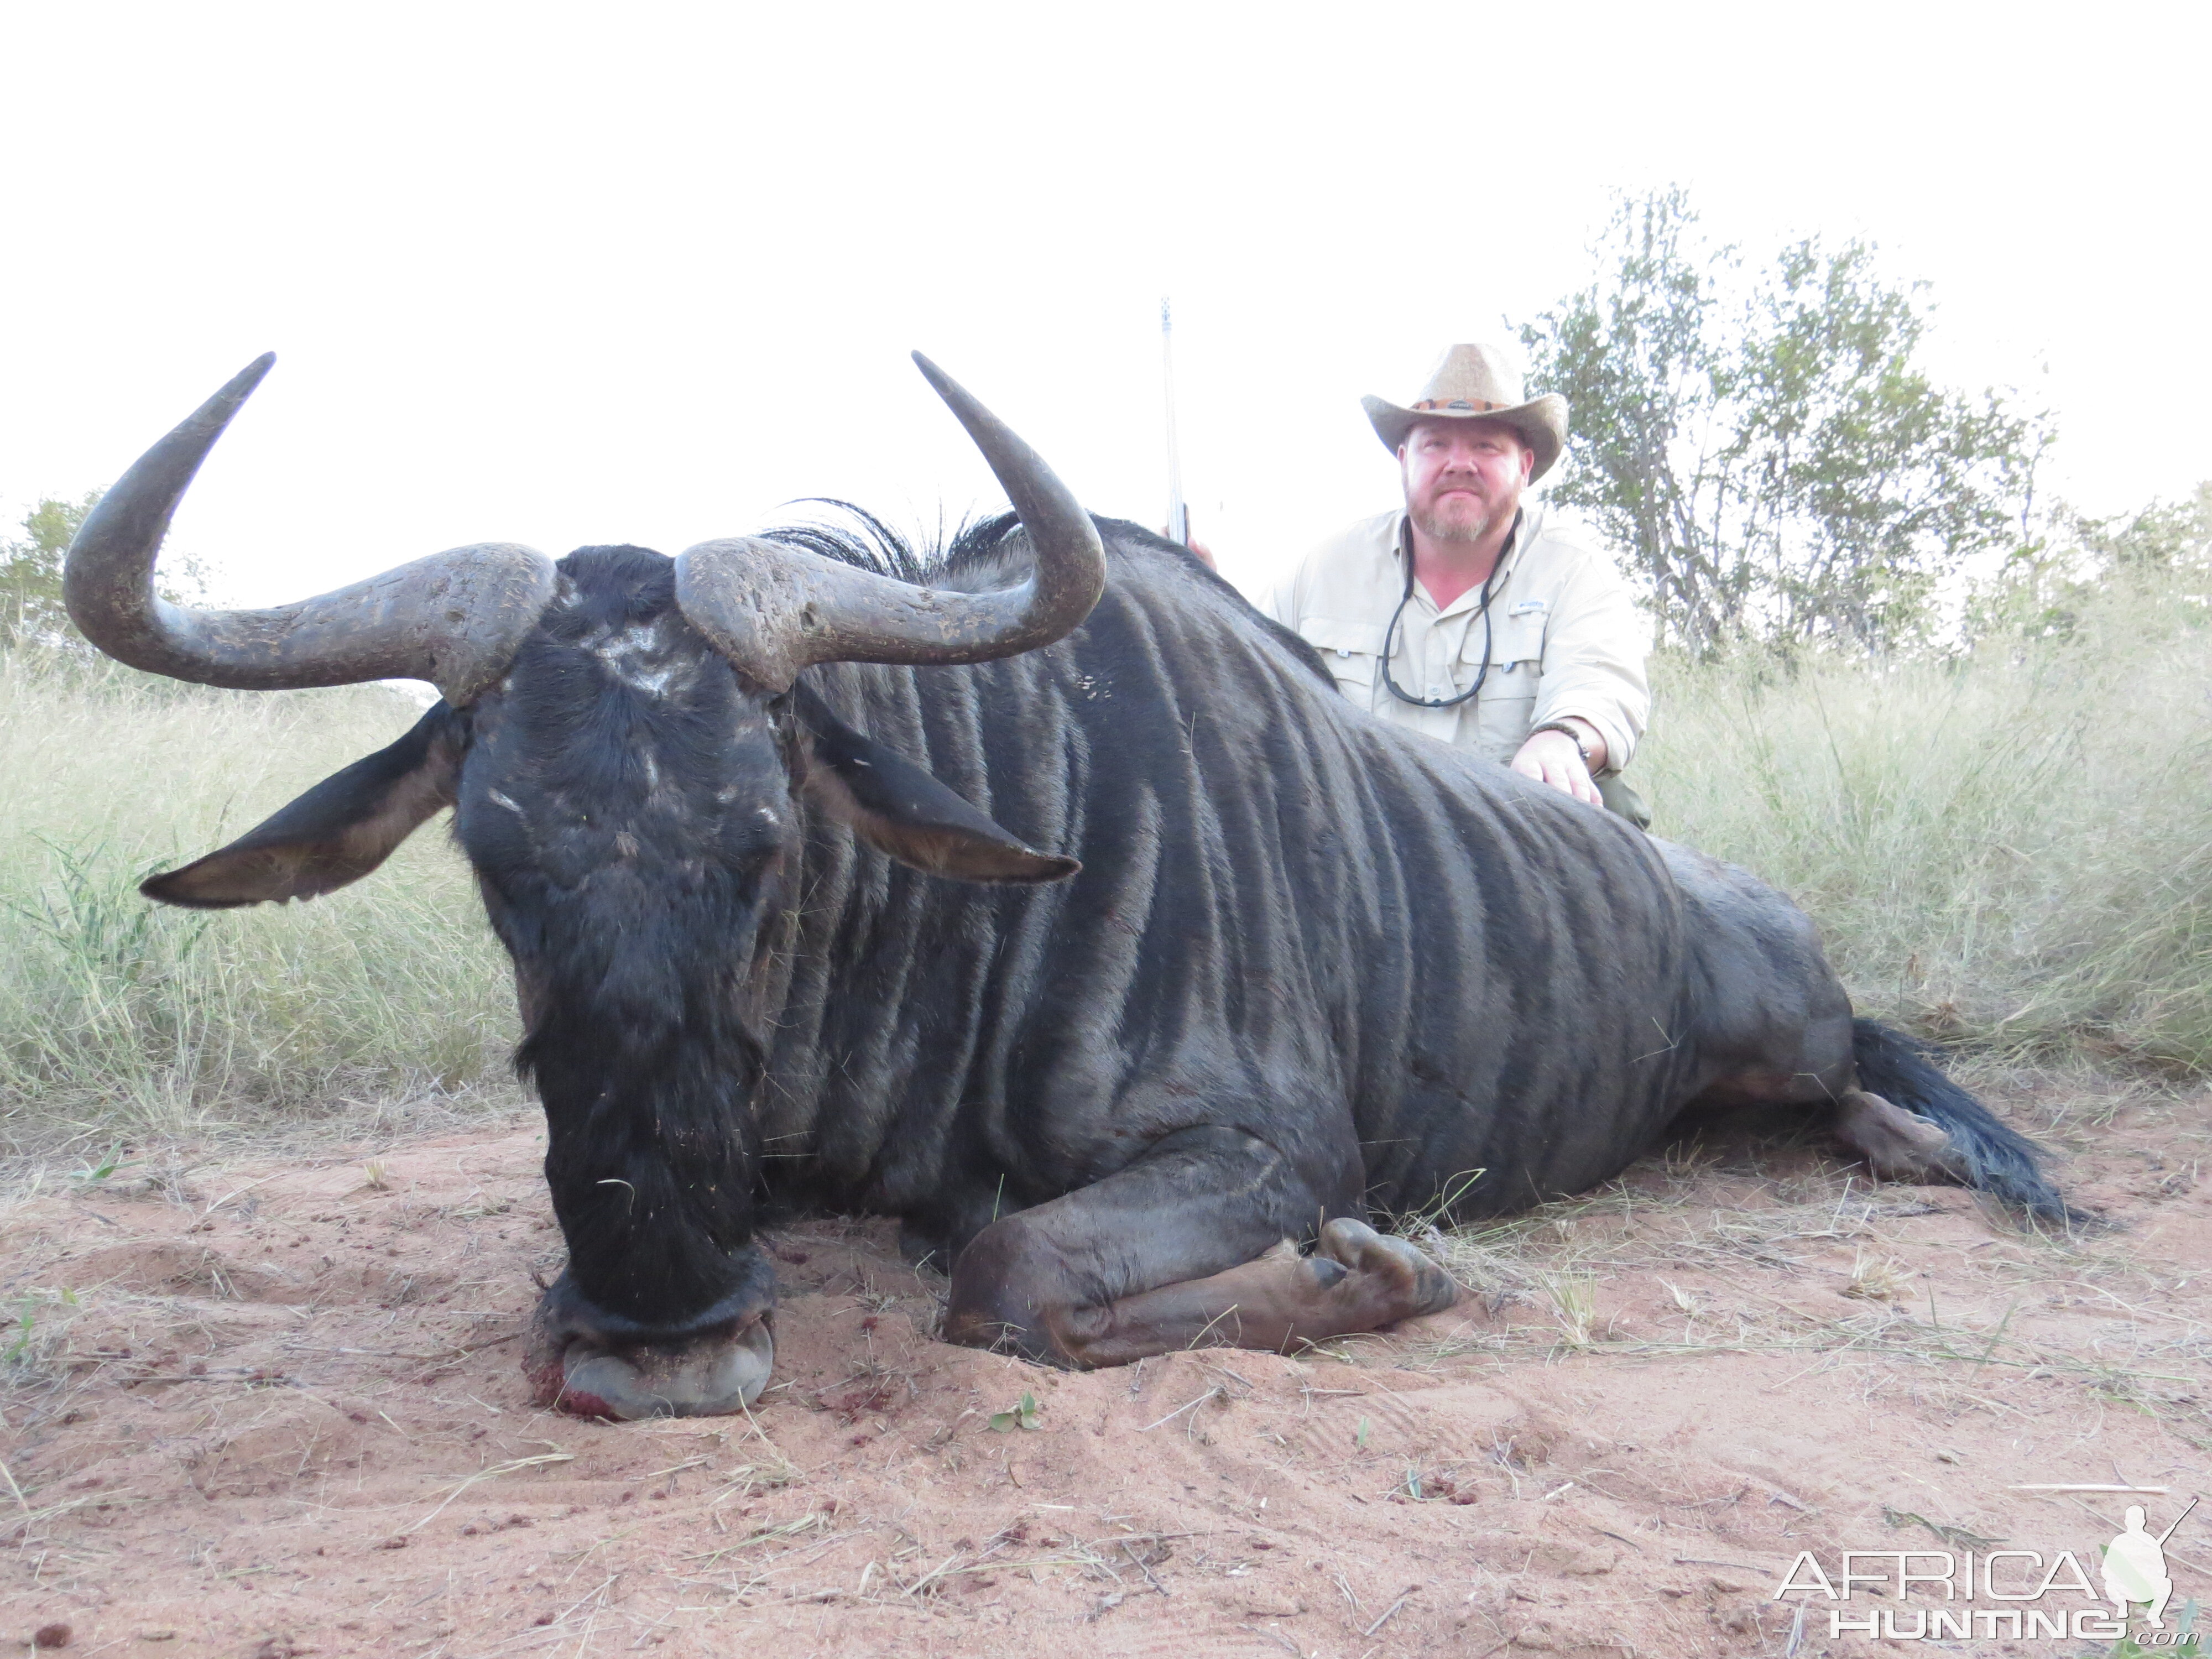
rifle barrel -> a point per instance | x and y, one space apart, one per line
2177 1520
1178 514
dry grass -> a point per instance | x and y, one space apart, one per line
120 1018
1744 1246
1878 1279
2012 849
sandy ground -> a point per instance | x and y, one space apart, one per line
269 1407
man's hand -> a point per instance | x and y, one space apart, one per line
1552 757
1199 549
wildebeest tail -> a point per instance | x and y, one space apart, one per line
1988 1156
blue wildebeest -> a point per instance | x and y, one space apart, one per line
785 850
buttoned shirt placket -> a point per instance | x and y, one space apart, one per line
1433 653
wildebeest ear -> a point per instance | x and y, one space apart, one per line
902 811
335 833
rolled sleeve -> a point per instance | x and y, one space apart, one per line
1594 653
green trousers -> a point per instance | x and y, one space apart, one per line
1620 798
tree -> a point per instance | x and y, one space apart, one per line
31 571
2164 536
2148 557
31 606
1767 450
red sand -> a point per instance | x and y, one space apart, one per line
284 1417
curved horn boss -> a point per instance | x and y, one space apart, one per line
455 618
773 610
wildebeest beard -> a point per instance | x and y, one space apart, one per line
624 803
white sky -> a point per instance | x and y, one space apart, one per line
565 274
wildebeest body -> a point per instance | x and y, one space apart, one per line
1404 969
788 928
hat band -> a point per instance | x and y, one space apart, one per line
1469 405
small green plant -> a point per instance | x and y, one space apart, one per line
93 915
1359 1439
110 1164
29 1348
1025 1413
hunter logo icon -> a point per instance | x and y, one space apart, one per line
2134 1567
2025 1594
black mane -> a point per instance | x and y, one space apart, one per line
975 545
869 543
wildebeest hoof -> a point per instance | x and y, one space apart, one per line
583 1359
1399 1280
707 1378
1896 1145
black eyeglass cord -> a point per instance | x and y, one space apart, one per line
1482 673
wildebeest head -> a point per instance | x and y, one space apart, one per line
624 743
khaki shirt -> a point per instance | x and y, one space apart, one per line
1564 638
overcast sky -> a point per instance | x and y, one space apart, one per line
566 275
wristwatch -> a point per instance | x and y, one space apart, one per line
1581 742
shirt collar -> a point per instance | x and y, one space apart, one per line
1524 531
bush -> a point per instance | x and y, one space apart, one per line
2012 848
119 1014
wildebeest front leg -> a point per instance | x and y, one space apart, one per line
1356 1279
1189 1247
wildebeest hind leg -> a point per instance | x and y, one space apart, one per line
1188 1247
1896 1145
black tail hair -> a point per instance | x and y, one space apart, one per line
1990 1156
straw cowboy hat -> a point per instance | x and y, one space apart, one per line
1475 382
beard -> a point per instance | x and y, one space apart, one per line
1462 519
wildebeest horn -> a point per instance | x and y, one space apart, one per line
455 618
773 610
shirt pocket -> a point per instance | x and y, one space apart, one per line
1353 651
1507 707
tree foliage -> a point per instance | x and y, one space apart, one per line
31 571
2161 554
2173 536
1764 445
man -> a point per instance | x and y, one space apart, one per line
1460 615
2134 1567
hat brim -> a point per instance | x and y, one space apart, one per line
1541 422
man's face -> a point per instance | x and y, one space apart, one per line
1463 477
